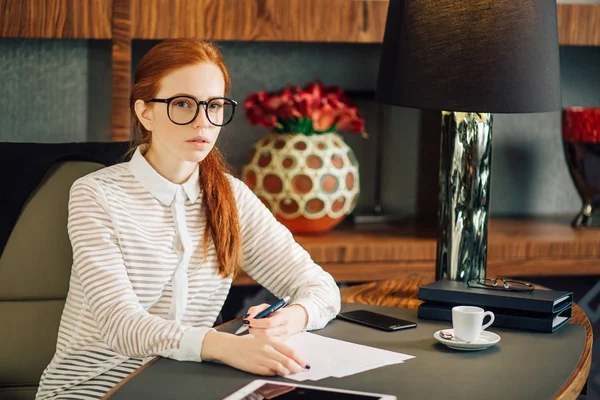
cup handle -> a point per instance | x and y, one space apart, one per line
491 321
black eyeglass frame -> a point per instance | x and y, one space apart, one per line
198 103
480 283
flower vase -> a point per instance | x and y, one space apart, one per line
309 182
581 141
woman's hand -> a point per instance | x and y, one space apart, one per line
281 324
257 355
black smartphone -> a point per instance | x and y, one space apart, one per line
376 320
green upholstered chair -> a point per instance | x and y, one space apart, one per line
34 279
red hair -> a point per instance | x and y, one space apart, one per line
222 222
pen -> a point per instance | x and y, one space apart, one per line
267 311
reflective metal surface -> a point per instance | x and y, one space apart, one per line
466 156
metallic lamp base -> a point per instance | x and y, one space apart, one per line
465 167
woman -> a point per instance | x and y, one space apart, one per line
157 240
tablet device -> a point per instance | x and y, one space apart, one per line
263 389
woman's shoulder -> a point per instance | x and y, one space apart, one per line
102 176
238 186
245 198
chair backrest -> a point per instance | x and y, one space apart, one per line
34 279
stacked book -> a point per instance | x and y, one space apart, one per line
537 310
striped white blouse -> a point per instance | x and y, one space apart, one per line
141 286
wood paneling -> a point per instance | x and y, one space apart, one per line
579 24
509 240
261 20
401 293
404 294
516 247
61 19
352 21
121 71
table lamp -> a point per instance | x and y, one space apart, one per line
469 59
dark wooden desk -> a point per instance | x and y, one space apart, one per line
403 294
516 247
498 373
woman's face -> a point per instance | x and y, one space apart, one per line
190 142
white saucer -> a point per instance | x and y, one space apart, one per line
485 340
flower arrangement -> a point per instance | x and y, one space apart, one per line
581 124
314 109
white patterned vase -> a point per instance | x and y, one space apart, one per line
309 182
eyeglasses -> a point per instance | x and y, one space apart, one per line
182 110
506 284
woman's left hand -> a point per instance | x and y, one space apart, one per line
282 323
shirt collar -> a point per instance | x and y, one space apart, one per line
160 187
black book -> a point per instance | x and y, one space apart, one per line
503 318
458 293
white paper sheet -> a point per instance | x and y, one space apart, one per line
331 357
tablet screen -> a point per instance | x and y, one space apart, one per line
259 390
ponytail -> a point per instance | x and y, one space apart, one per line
220 209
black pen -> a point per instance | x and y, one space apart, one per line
267 311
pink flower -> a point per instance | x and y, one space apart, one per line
326 108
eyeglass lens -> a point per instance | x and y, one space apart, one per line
516 285
183 110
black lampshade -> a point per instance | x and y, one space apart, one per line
498 56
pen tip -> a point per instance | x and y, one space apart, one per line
241 330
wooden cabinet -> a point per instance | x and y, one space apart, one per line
579 24
61 19
260 20
516 247
348 21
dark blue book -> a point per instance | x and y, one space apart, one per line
503 318
458 293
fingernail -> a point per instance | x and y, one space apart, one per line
246 321
247 315
307 366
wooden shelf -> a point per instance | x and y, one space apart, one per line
347 21
579 24
342 21
267 20
516 247
56 19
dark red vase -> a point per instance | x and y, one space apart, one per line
581 140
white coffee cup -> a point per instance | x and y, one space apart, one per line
467 322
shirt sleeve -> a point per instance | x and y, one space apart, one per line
99 266
274 259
